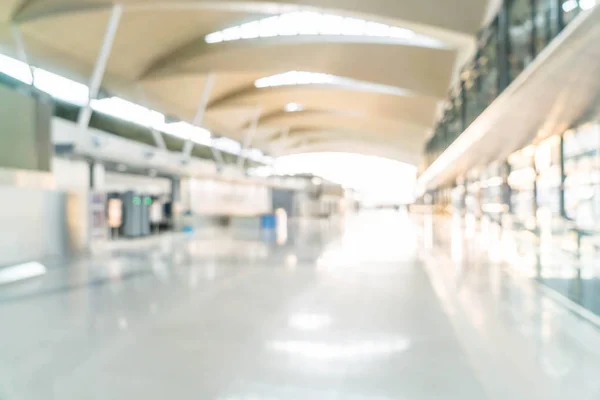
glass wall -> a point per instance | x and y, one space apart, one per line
522 183
570 9
547 165
582 176
488 69
521 30
546 22
493 197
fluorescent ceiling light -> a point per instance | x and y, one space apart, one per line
307 23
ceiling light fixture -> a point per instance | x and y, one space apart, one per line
293 107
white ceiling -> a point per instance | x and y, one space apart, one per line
160 47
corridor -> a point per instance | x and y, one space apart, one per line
365 308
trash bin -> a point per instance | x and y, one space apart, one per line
268 221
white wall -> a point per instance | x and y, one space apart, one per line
74 176
71 175
213 197
32 224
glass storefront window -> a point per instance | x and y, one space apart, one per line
520 29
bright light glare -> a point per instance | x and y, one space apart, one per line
310 322
292 78
21 272
67 90
227 145
61 88
336 351
186 131
15 69
587 4
293 107
313 23
378 180
569 6
128 111
572 5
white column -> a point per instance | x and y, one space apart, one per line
101 62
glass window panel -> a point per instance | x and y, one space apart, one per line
488 71
520 28
269 27
401 33
376 29
331 25
570 9
289 24
231 33
543 23
353 27
308 23
216 37
250 30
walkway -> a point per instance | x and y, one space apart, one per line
339 311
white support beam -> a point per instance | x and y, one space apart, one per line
159 141
248 138
99 69
200 112
22 49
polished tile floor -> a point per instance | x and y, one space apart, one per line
378 306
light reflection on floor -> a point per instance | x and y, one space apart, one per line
337 310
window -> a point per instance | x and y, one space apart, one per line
312 23
520 29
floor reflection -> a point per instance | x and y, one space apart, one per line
372 307
492 285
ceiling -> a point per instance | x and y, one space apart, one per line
160 59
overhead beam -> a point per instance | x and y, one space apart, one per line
22 50
101 62
199 117
248 138
159 141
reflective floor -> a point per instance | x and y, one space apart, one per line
373 307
